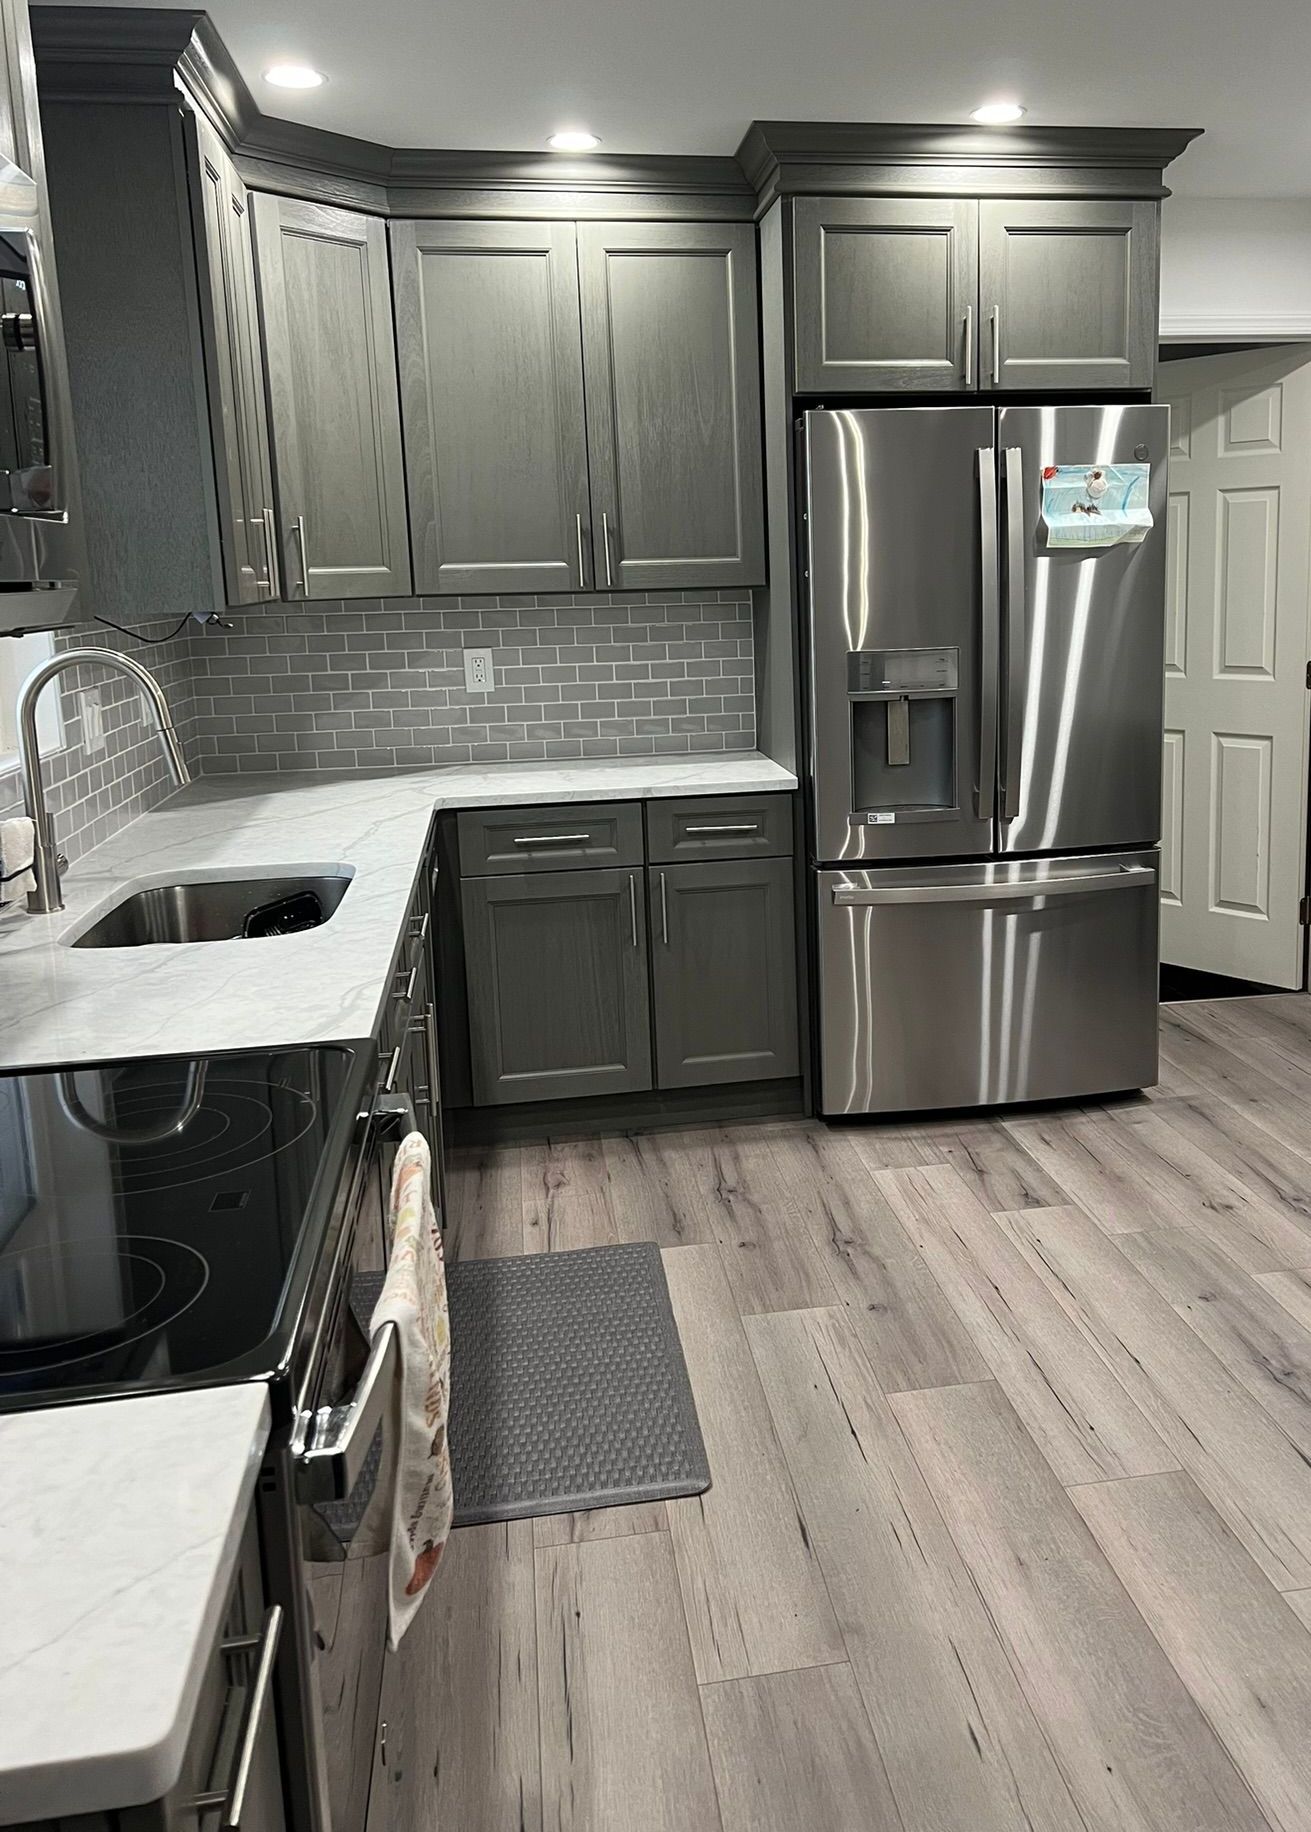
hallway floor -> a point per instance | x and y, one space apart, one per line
1010 1428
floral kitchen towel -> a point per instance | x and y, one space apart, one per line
1095 505
414 1299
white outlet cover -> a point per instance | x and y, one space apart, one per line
479 671
92 710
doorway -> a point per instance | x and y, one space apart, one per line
1238 597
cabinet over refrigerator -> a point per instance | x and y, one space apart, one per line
984 714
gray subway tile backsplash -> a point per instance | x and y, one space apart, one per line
372 685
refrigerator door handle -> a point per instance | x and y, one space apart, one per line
1012 756
990 632
1123 878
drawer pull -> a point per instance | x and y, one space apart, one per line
552 839
389 1079
419 927
233 1799
407 992
727 827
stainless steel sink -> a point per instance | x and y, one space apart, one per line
213 910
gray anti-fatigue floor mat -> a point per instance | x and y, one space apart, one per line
568 1385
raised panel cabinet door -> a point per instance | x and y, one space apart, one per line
1067 293
723 971
491 368
671 357
557 973
885 293
326 305
234 372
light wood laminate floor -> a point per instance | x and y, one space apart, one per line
1010 1427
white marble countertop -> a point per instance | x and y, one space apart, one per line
62 1005
119 1533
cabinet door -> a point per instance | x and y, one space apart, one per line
557 985
1067 293
672 360
235 375
326 298
885 292
724 971
491 366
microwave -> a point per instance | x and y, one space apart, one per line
41 560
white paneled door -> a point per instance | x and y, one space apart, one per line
1233 867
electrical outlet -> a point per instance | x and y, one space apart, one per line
92 711
479 674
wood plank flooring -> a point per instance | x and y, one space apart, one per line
1009 1420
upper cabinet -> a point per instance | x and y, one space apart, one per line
333 407
885 292
671 356
243 468
1068 292
953 294
545 452
491 364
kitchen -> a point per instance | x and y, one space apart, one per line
599 709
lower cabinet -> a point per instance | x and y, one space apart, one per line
558 1001
723 971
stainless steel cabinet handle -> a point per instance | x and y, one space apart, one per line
994 319
632 905
419 926
582 572
605 547
271 551
967 355
263 585
552 839
407 993
233 1799
304 556
989 631
664 912
1013 756
389 1079
727 827
1123 878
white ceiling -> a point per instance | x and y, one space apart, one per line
687 76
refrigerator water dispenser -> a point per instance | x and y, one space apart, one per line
902 706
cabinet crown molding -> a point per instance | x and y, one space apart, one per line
786 157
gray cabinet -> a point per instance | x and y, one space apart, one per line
581 834
723 971
234 363
557 971
672 359
335 417
885 292
1067 293
491 372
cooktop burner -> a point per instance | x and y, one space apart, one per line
157 1217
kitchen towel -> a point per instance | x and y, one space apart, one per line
1095 505
414 1301
17 844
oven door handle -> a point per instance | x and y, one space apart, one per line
341 1437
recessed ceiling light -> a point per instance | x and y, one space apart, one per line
997 114
573 140
294 76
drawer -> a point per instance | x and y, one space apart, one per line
719 827
581 834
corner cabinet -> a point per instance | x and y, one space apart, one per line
334 412
925 295
671 352
491 370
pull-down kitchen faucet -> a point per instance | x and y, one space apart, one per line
46 898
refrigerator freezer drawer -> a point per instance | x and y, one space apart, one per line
972 985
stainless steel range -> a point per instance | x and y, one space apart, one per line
985 759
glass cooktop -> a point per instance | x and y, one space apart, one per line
154 1216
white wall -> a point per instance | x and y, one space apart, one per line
1235 266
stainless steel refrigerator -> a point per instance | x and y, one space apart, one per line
984 759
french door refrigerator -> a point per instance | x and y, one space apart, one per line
984 759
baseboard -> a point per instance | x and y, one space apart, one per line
652 1110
